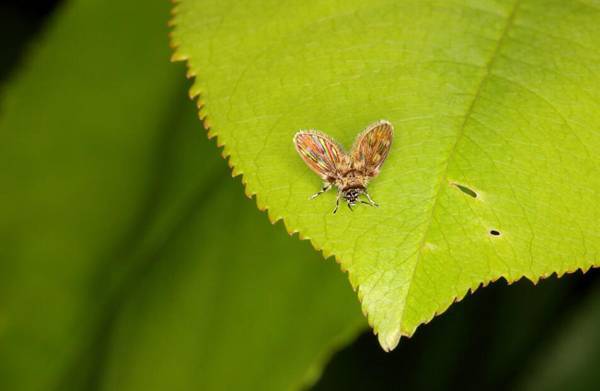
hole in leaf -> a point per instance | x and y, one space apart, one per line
494 232
466 190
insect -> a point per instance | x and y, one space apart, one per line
350 173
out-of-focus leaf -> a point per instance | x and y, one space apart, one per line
228 294
494 169
81 126
108 191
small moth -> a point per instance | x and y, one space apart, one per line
350 173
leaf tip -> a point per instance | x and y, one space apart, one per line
177 55
389 341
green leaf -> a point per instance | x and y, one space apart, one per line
226 302
117 216
496 106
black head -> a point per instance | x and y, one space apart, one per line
351 195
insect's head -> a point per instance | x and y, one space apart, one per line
351 195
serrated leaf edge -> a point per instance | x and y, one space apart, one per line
195 93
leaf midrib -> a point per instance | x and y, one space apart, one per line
488 72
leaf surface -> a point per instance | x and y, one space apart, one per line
496 106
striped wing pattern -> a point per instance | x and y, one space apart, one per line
320 152
372 147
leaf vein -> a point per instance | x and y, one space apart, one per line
469 112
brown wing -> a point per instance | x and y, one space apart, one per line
372 147
321 153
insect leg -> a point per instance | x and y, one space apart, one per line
337 203
373 203
326 186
